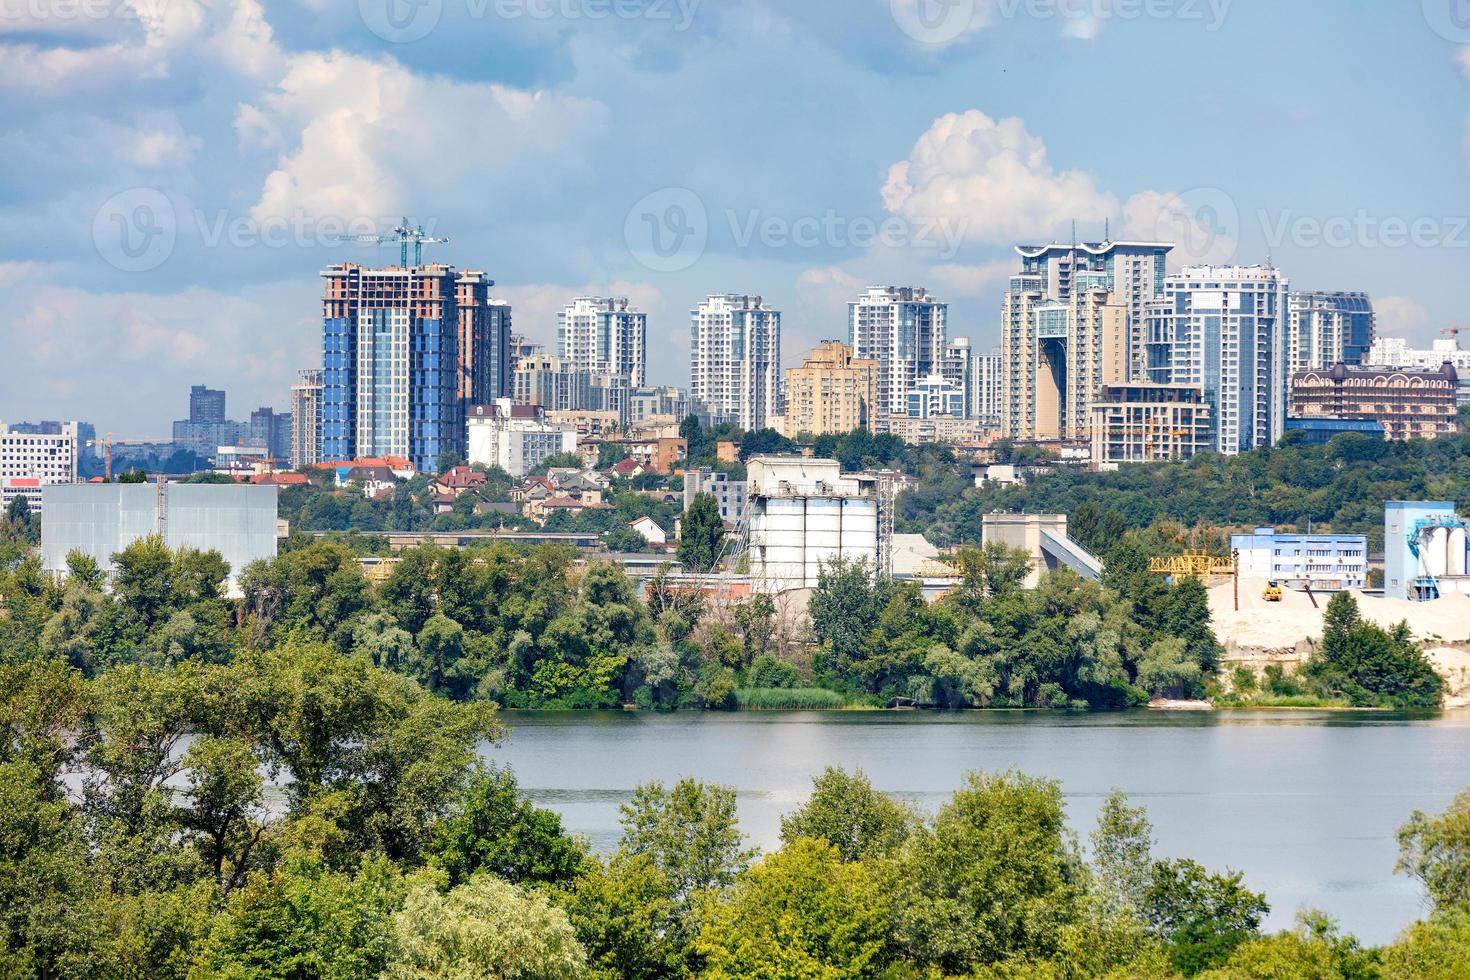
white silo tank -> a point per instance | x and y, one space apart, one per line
1439 552
1458 541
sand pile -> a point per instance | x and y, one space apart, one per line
1264 632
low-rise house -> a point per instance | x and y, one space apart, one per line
540 510
650 530
458 480
627 468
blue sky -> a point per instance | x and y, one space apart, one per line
173 168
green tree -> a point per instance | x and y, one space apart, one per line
691 833
701 534
224 808
493 829
1436 850
844 609
305 920
1122 863
626 917
995 878
801 912
440 647
1314 950
848 813
483 928
1203 917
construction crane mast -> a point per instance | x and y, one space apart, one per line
405 235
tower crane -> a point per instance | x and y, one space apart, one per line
405 235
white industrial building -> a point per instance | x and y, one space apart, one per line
516 438
802 513
101 519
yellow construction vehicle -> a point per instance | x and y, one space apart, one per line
1272 593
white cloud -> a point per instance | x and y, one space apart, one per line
359 134
1399 316
1203 224
139 41
995 178
153 346
971 280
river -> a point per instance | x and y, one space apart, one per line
1304 802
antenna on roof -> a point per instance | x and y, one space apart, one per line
1107 230
1074 231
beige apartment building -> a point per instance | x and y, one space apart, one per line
832 392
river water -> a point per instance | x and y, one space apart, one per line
1305 803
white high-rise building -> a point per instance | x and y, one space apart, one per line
49 458
597 334
1224 328
903 328
1133 272
987 387
735 360
306 419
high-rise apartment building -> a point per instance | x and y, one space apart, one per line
206 404
49 457
392 372
485 357
271 431
735 360
1328 328
605 335
1133 272
1062 339
657 402
832 392
986 388
1224 328
207 427
903 329
306 419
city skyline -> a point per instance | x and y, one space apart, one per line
244 177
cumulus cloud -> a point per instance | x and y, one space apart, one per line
250 341
357 134
972 280
1400 316
993 175
137 42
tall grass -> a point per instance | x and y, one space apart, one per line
788 699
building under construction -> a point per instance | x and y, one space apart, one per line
1150 423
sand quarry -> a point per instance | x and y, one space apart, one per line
1284 632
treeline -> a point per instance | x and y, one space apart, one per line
1340 486
992 643
537 628
300 813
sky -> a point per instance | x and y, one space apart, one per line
174 170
